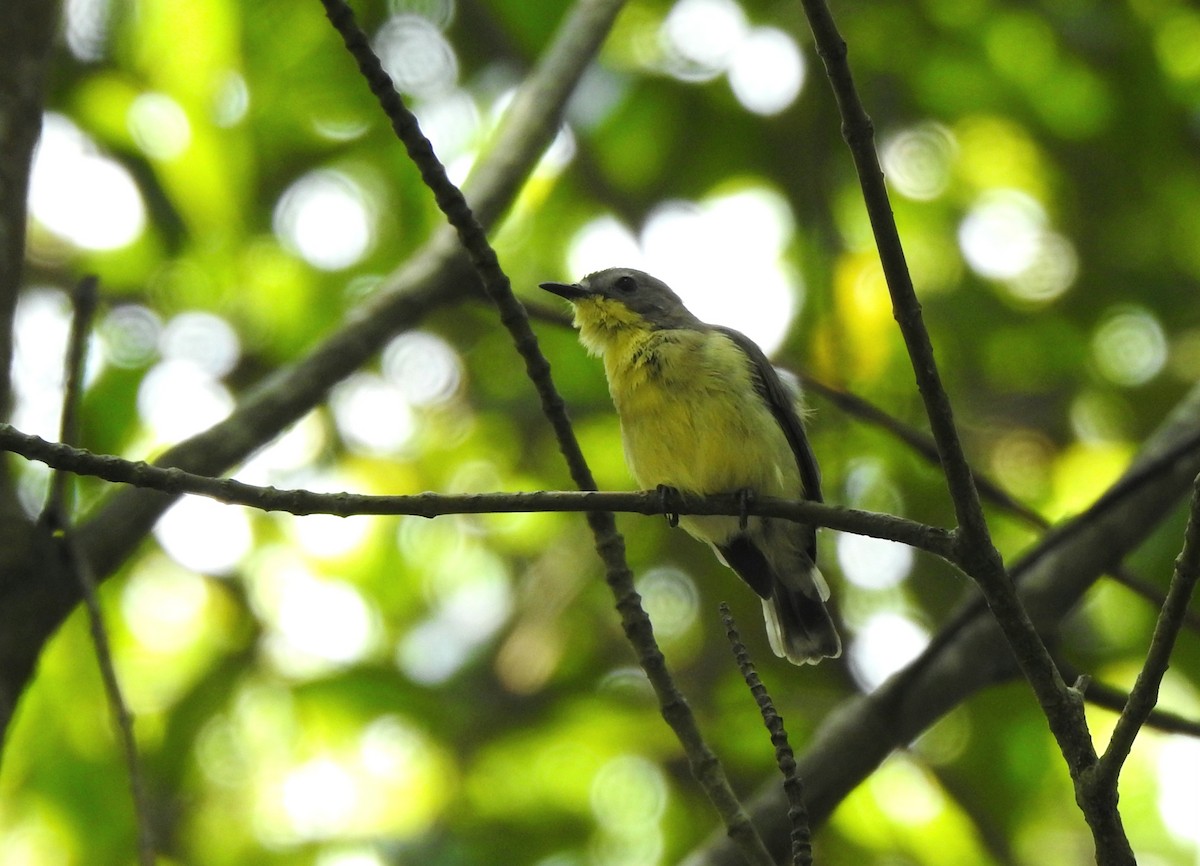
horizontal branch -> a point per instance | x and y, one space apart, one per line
175 481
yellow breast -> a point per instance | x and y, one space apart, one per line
691 417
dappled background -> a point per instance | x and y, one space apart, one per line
368 691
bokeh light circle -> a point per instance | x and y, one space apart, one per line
326 219
766 71
1129 347
917 160
79 195
884 644
417 56
699 37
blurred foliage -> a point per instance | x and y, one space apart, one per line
370 691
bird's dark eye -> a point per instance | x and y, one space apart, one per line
626 284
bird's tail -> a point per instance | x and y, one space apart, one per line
798 624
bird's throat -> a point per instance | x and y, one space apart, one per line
607 326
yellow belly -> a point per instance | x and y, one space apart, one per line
693 420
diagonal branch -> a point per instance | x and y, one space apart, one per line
83 301
992 492
438 275
34 600
1145 691
859 133
57 516
1062 706
609 543
793 786
969 653
921 443
1101 694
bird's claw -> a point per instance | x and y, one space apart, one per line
667 496
745 497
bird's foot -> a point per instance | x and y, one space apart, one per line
668 496
745 498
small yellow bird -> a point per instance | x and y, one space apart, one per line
702 410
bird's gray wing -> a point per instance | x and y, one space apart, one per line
783 407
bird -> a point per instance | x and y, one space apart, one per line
703 411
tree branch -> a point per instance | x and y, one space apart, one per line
57 517
175 481
83 309
793 787
26 29
1101 694
859 133
992 492
1062 705
921 443
1144 696
438 275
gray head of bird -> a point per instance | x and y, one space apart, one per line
621 301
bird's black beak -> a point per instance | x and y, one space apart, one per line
570 291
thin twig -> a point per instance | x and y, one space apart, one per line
83 303
57 516
792 786
1144 695
921 443
1101 694
982 561
1152 594
609 543
990 490
76 560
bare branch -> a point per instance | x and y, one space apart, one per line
784 757
438 275
1170 619
1152 594
83 304
57 516
921 443
1101 694
175 481
1062 706
859 133
609 543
